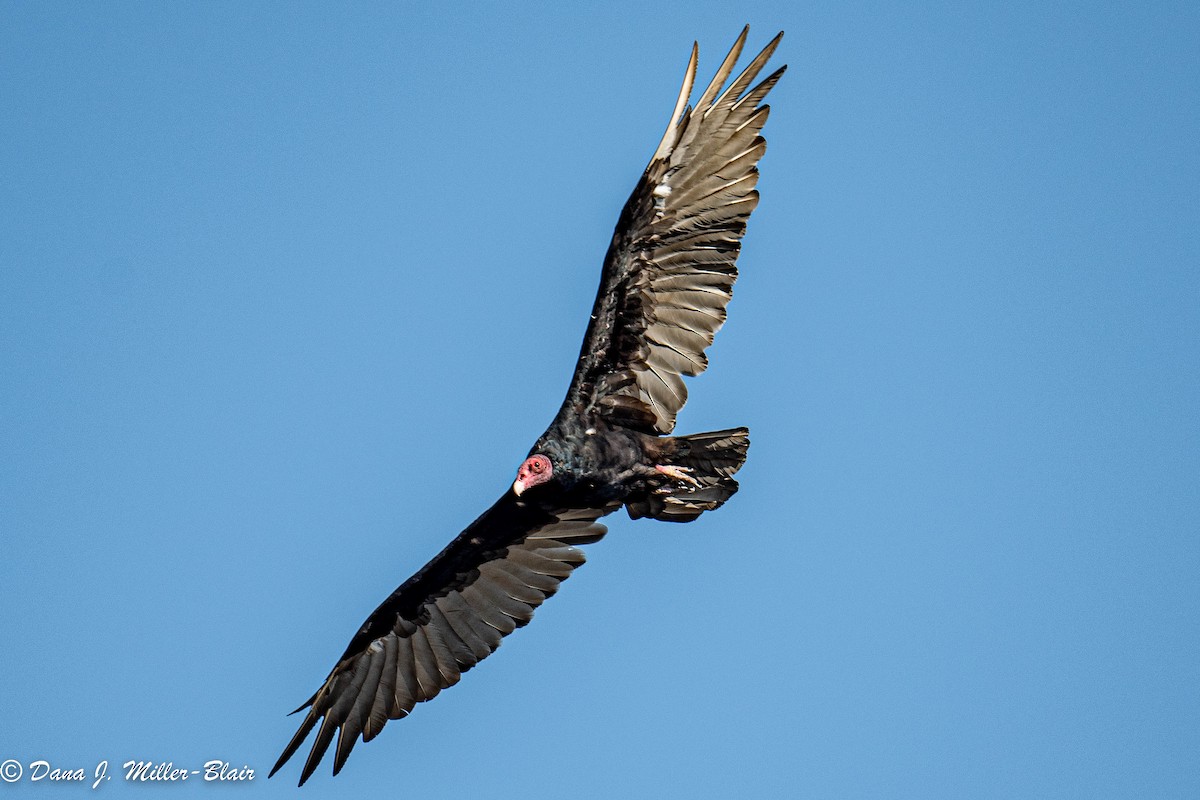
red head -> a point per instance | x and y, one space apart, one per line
536 469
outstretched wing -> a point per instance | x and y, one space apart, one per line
671 265
442 621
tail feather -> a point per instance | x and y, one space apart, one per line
712 458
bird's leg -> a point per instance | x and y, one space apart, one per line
678 473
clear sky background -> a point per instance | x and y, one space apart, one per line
286 293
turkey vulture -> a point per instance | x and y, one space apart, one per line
667 277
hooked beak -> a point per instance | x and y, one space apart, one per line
518 487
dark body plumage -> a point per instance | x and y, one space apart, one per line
667 278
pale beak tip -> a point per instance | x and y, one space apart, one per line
518 487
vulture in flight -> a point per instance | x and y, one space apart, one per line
667 278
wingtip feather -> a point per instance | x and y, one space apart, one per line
723 71
298 739
685 92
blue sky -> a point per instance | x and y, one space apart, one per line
286 294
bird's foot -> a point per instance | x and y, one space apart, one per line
678 473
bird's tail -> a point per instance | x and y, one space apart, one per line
708 460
